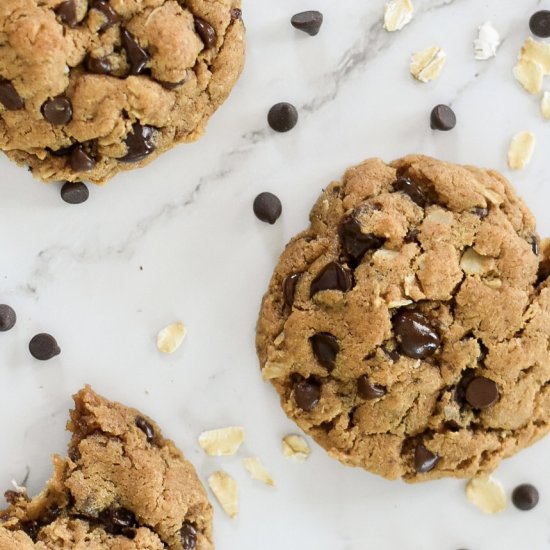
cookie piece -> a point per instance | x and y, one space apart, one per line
123 487
407 328
88 89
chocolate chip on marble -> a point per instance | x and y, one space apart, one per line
146 428
137 56
111 16
481 211
307 394
66 11
540 24
424 460
44 347
9 97
236 14
332 277
325 348
58 110
308 21
411 189
282 117
368 390
8 318
289 288
482 392
81 161
207 32
415 335
525 497
188 534
442 118
267 207
98 65
74 192
139 142
355 242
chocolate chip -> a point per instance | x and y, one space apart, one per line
146 428
332 277
525 497
540 24
482 392
31 528
442 118
81 161
207 32
62 152
7 318
118 521
98 65
412 236
289 288
236 13
74 192
137 56
282 117
355 242
543 271
139 142
411 189
58 110
307 394
172 85
111 16
308 21
369 391
535 245
43 347
66 11
424 460
325 348
267 207
9 97
417 339
188 534
481 211
393 354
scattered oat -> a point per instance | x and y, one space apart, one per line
385 254
295 447
487 494
280 339
170 338
538 52
473 263
492 196
226 491
397 14
487 42
273 370
545 105
427 64
529 74
223 441
438 215
521 150
257 470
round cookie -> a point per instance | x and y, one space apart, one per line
123 487
90 88
407 329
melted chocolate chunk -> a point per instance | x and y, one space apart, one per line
369 391
424 460
289 288
482 392
188 534
111 16
58 110
140 143
146 428
81 161
9 97
416 337
325 348
332 277
119 521
207 33
411 189
66 11
355 242
137 56
307 394
98 65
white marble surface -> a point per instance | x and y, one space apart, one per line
187 220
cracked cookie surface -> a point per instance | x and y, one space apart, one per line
123 487
92 87
408 328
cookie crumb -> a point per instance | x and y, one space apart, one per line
397 14
223 441
426 65
226 491
170 338
295 447
521 150
257 470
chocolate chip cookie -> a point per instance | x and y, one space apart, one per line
123 487
92 87
408 328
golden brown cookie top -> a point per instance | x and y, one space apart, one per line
91 88
407 329
123 487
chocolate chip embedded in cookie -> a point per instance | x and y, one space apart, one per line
407 328
123 486
88 89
